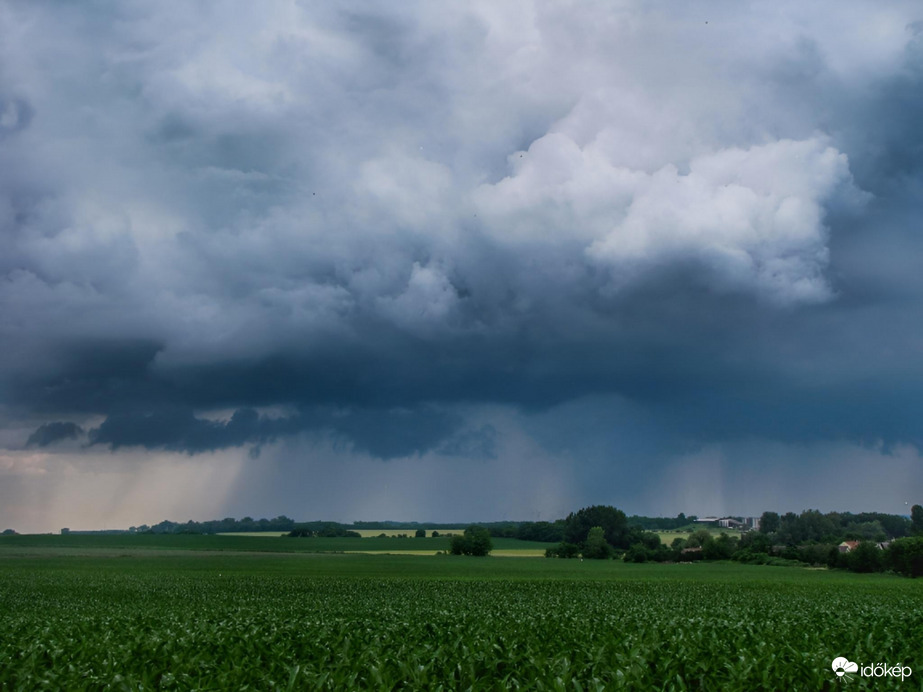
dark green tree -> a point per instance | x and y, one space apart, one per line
720 548
596 547
815 526
475 541
613 522
865 558
650 540
769 522
790 529
905 556
866 531
636 553
755 542
916 520
699 538
420 533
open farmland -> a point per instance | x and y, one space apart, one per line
131 544
667 537
374 533
194 619
365 533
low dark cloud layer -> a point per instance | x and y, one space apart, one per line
229 226
385 434
49 433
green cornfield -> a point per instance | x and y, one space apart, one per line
226 622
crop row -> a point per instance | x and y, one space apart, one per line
64 630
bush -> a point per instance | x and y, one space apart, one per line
748 556
865 558
564 550
789 552
692 554
816 554
636 553
756 542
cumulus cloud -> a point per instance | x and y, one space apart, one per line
428 300
754 218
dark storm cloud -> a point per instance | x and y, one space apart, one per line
49 433
476 443
377 217
86 376
385 434
883 127
180 430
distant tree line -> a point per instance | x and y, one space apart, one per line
833 527
554 531
884 541
680 521
227 525
877 542
322 529
538 531
410 526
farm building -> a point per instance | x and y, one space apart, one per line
747 524
707 520
846 546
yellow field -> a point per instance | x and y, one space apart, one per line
390 552
372 533
365 533
530 552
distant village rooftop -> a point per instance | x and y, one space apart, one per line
743 524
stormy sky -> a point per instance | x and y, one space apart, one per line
458 261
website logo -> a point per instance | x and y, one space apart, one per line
843 667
